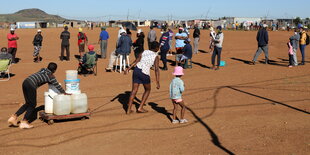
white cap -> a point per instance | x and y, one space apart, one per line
122 31
39 30
265 25
140 30
12 29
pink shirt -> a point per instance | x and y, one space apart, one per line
12 43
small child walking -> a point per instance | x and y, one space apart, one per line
290 54
176 90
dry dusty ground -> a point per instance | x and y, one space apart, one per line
240 109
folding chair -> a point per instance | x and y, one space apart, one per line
5 68
91 64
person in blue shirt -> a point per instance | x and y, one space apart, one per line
187 51
179 43
103 40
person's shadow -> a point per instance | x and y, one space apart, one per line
124 98
161 110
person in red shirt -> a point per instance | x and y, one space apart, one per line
82 40
12 44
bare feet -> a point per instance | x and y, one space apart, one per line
129 112
142 111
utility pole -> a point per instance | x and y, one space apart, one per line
127 14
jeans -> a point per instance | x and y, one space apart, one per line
103 48
63 48
303 52
259 51
217 51
196 44
30 95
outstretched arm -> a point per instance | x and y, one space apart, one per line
133 64
156 64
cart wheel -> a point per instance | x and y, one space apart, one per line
50 122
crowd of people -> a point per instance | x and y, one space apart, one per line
145 60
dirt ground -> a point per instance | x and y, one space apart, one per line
240 109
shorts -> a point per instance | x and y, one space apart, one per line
82 47
139 77
177 100
36 51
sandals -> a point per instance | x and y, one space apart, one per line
174 121
183 121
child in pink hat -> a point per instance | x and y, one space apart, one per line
176 90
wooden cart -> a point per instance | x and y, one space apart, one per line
49 118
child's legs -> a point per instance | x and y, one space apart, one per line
291 60
182 104
175 109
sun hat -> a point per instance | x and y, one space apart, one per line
103 28
140 30
211 29
12 29
178 71
300 26
91 47
265 25
80 30
39 30
181 28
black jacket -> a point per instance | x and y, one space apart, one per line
37 40
262 37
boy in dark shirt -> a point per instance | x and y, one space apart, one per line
30 86
65 44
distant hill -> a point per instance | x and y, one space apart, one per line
30 15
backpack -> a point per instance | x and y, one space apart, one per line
307 39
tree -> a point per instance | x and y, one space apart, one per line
297 21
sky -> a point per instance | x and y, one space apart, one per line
103 10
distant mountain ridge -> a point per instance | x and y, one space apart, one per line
30 15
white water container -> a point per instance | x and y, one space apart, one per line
71 74
62 104
79 103
72 86
48 103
